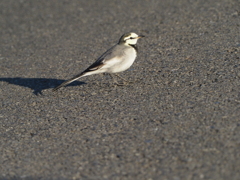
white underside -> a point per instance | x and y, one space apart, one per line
117 64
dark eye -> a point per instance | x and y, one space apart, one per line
131 38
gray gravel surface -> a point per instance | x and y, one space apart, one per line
179 120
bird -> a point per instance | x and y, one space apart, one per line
118 58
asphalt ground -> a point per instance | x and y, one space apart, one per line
179 120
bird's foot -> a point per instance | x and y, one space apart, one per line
125 82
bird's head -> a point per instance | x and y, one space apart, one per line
130 38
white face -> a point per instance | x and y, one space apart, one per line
131 39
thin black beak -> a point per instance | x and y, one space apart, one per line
141 36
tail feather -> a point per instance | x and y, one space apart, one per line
93 69
69 81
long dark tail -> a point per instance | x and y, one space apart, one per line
69 81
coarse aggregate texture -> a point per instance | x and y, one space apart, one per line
179 120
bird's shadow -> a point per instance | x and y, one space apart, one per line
38 84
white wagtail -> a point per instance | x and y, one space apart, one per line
117 59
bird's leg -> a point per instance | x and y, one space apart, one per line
121 78
117 83
124 79
120 84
